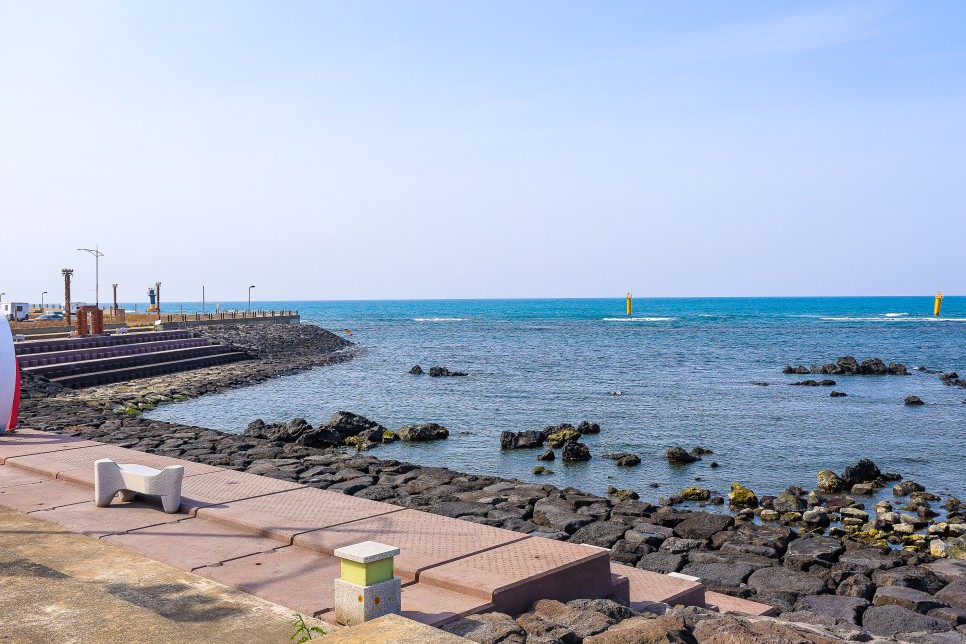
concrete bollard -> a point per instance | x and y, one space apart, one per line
368 589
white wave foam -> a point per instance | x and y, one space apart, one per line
892 319
439 319
638 319
894 315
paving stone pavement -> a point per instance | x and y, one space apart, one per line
275 539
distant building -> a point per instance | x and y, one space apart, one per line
14 310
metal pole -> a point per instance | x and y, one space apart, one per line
203 309
42 301
250 298
97 272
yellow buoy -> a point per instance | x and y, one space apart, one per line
630 304
939 304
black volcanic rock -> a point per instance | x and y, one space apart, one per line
440 372
522 440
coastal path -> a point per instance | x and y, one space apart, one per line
275 539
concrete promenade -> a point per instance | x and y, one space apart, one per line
60 586
275 539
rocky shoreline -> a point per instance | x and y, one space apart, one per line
820 557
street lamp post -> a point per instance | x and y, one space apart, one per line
42 301
97 272
67 273
250 297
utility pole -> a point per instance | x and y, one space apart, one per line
97 272
157 294
67 272
203 309
114 286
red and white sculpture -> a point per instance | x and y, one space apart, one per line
9 379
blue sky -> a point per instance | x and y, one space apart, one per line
327 150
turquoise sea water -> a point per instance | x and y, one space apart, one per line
686 368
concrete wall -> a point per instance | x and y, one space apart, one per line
278 319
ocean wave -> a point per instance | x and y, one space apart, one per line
892 319
638 319
439 319
894 315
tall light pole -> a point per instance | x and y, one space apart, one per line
42 301
97 272
67 272
250 297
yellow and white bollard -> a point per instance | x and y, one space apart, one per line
368 589
939 304
630 304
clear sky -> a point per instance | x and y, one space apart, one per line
332 150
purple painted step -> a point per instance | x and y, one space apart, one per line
98 353
67 344
57 371
147 371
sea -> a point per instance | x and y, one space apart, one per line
689 371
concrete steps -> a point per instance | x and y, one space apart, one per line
109 376
94 353
66 344
57 371
100 360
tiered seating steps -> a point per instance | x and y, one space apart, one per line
100 360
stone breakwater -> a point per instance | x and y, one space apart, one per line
820 557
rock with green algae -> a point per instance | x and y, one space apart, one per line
620 495
830 482
360 443
424 432
956 548
540 469
557 439
695 494
871 537
389 436
741 497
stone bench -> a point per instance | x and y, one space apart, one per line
128 479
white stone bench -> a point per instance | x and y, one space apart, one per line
111 478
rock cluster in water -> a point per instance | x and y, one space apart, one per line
565 437
849 366
814 383
443 372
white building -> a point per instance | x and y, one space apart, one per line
14 310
